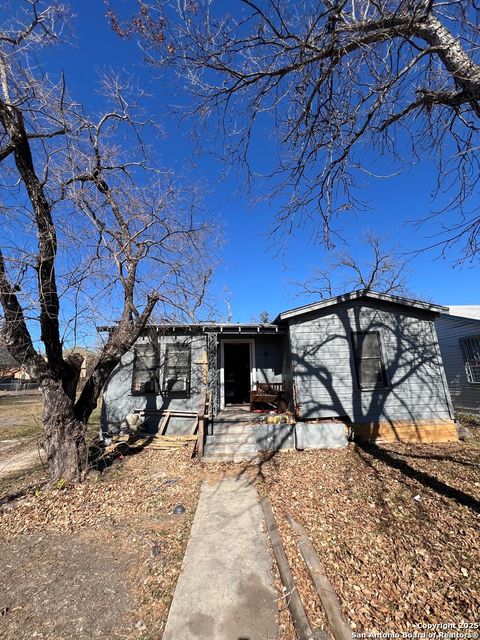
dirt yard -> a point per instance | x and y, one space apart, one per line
98 560
396 527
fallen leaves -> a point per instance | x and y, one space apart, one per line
133 505
398 547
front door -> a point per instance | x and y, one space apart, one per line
237 372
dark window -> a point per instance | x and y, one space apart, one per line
177 367
471 357
367 354
145 369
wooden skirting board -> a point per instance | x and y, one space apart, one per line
422 431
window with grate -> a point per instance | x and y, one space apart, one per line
145 369
177 367
471 357
367 354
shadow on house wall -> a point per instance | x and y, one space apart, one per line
327 379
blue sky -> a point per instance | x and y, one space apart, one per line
252 275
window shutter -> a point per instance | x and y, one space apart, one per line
145 369
471 357
368 360
177 367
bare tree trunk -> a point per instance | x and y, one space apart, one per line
126 229
63 434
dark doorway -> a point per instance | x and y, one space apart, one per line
237 372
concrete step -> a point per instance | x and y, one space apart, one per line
231 447
222 428
228 457
240 438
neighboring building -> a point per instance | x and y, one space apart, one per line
88 363
13 371
367 360
458 330
10 369
8 364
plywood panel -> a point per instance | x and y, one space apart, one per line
424 431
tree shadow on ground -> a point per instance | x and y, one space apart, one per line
99 460
442 458
424 478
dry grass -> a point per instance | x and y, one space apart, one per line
20 416
20 432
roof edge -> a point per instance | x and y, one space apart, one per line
356 295
225 327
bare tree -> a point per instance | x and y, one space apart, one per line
90 228
340 82
385 271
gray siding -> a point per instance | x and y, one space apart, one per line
269 358
118 400
324 370
269 352
465 395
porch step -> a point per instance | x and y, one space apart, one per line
230 447
226 457
227 437
240 420
232 429
232 441
229 456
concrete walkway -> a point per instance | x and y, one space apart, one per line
225 590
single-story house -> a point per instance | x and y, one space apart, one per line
10 370
8 365
458 330
368 360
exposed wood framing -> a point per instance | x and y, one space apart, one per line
204 363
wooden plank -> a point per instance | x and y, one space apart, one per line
299 617
168 444
341 629
172 438
164 447
162 412
201 422
420 432
201 436
163 425
195 425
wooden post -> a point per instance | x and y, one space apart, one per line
163 425
299 617
204 363
201 422
341 629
